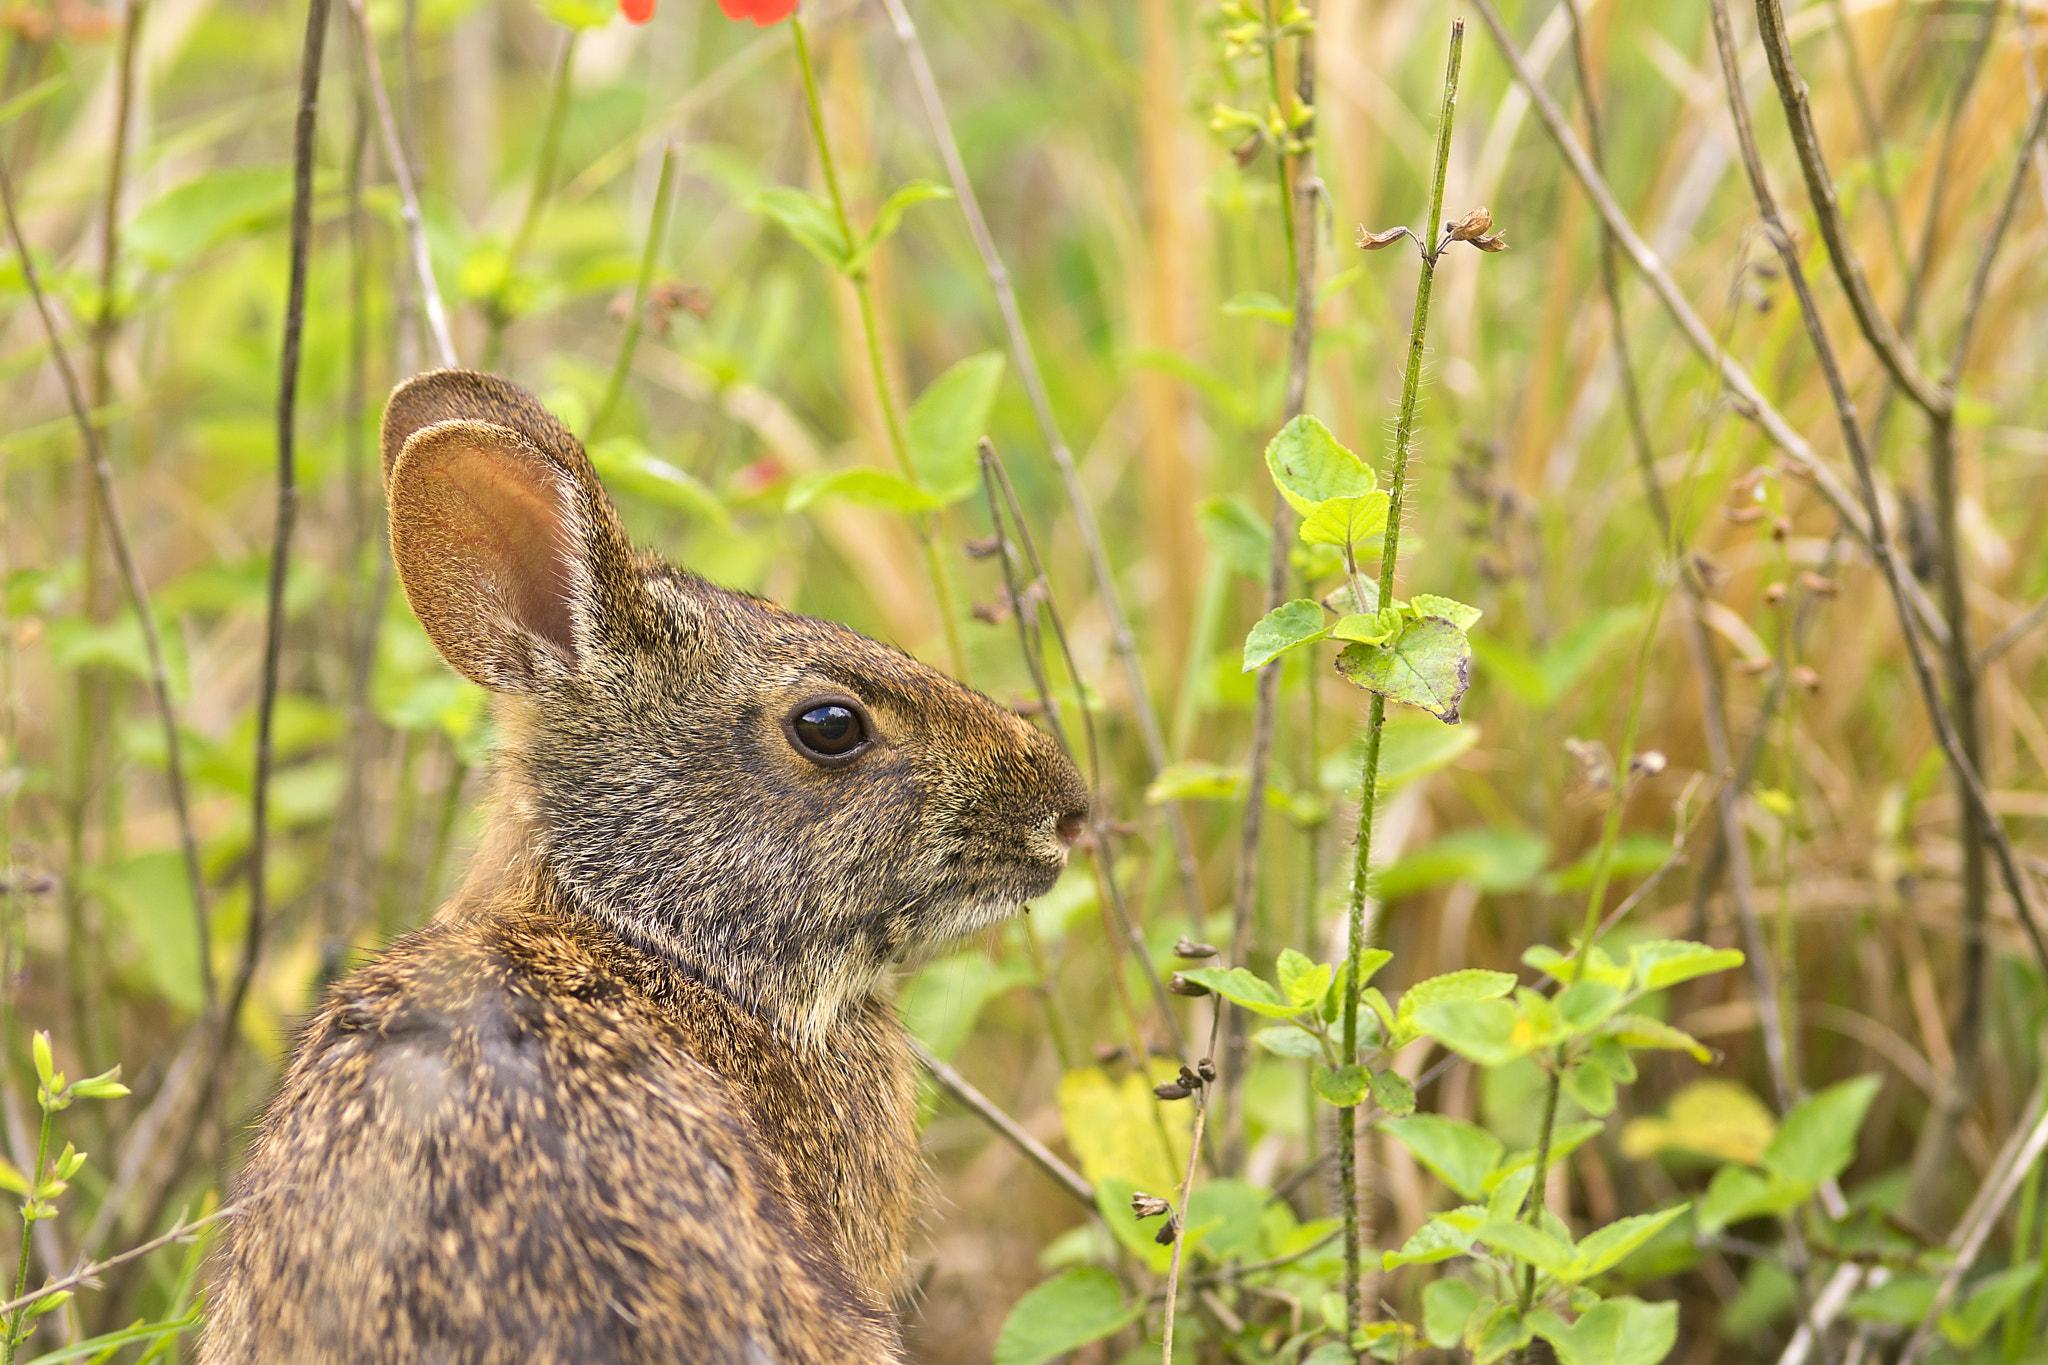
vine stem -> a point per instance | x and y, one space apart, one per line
1180 1229
863 291
28 1226
1432 247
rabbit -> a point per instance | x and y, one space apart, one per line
636 1092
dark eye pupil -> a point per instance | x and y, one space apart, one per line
829 730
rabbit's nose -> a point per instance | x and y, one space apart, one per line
1070 826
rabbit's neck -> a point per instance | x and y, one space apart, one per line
806 987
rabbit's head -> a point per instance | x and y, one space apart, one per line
772 802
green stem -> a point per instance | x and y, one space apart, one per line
657 233
28 1227
499 314
892 420
1376 716
1277 97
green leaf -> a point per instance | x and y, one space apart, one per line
808 219
1640 1030
1447 1306
1259 304
1618 1331
1471 984
1457 613
946 423
1565 1139
941 1003
1901 1301
1428 665
1560 966
1666 962
11 1178
1375 629
890 216
1195 781
1309 466
1736 1194
1225 1218
1712 1117
1303 982
1392 1092
1545 1250
1488 1032
580 14
1502 1331
1496 860
1358 521
863 485
1236 534
1989 1300
1461 1154
151 897
1587 1004
1289 1042
1442 1237
1817 1140
1288 626
1065 1313
1118 1130
1602 1250
1590 1085
203 212
1345 1087
629 467
1241 987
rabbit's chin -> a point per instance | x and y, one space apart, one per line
957 911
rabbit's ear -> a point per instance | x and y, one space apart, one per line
493 543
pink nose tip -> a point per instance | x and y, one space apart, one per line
1070 826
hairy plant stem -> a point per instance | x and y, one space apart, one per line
1431 248
28 1227
892 419
657 233
498 316
1298 221
1121 637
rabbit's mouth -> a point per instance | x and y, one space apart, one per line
980 891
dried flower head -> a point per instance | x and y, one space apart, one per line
1476 227
1148 1205
1374 241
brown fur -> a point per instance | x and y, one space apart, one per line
633 1096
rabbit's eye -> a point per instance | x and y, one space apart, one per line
828 731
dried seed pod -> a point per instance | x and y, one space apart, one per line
1806 678
982 547
1817 585
1648 763
1189 1081
1148 1205
1192 950
1376 241
1472 226
1781 529
1207 1070
1109 1053
1180 985
1774 594
1167 1090
1166 1234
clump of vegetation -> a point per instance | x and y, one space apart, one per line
1566 884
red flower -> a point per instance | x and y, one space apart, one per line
762 12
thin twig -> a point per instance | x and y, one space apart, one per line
1752 403
287 499
1969 1237
131 575
1041 1156
1298 188
2013 633
1121 637
408 196
1180 1223
1877 329
86 1275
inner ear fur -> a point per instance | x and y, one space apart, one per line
492 549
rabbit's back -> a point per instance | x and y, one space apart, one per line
519 1140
